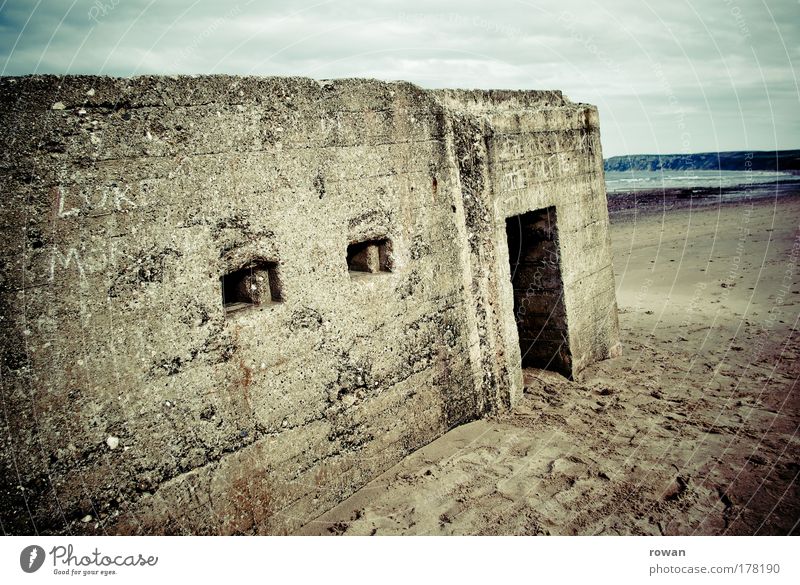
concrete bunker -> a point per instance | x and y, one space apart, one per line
134 314
538 288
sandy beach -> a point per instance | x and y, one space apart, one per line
693 430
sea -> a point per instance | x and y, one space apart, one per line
690 179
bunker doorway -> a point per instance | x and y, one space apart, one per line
539 312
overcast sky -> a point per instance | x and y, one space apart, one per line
667 76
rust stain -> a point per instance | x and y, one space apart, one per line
56 195
247 378
247 372
320 476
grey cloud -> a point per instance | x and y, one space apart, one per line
722 63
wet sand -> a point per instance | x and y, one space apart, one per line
693 430
625 203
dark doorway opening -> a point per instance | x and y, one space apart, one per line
538 290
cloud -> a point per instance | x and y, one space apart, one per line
640 61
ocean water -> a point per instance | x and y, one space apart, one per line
636 180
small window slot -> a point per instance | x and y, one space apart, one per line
370 256
255 284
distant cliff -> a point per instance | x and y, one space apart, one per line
740 160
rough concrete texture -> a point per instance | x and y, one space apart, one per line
135 403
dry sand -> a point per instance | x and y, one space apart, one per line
694 430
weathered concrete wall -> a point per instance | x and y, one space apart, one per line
130 395
538 150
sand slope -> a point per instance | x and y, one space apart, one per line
694 430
